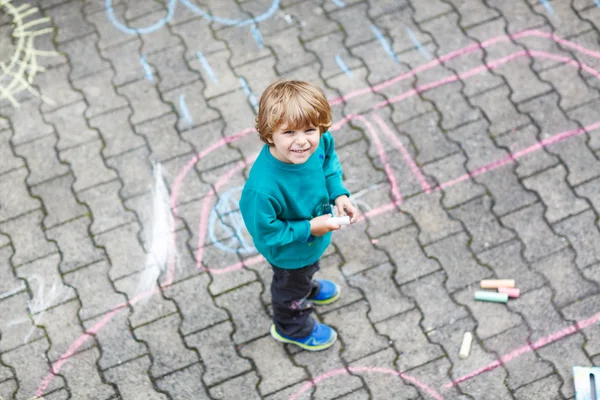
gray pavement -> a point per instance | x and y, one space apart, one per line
470 137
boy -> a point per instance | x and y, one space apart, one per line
286 206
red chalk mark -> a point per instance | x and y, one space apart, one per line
528 348
342 371
413 166
56 366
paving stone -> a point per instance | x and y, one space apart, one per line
499 110
534 231
477 146
573 94
87 165
429 374
507 191
507 261
546 388
77 248
433 301
194 35
579 159
583 235
584 114
384 298
446 171
144 100
247 312
242 46
59 201
539 312
10 284
382 385
591 191
354 244
569 24
492 319
522 143
452 105
334 40
135 171
14 198
17 327
27 237
527 367
45 283
116 132
122 55
217 351
146 302
243 387
54 84
566 280
357 104
95 291
171 68
83 57
63 329
9 160
7 388
274 366
369 201
166 346
432 10
219 261
582 311
67 16
519 14
124 251
559 199
132 380
83 377
193 388
564 354
107 210
462 269
115 338
432 220
41 158
319 364
27 122
407 254
99 92
484 227
31 368
489 386
162 137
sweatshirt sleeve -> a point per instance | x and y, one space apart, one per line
259 212
333 169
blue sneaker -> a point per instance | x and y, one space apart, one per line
321 338
328 293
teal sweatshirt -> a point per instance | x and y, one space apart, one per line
280 199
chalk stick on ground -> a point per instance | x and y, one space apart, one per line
513 293
465 346
497 283
495 297
345 220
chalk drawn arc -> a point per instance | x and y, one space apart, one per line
194 8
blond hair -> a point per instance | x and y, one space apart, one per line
298 104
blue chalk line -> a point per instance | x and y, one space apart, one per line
597 3
171 9
343 65
417 44
206 66
341 4
257 36
249 93
147 68
184 110
386 46
223 208
548 6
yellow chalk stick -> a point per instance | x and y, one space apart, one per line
497 283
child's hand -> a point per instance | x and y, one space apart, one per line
319 226
343 203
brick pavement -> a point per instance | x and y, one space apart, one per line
484 111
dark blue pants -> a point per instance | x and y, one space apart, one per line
290 291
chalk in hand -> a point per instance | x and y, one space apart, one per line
345 220
465 346
482 295
497 283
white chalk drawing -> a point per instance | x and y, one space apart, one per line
18 56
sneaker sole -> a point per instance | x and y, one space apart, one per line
329 300
281 339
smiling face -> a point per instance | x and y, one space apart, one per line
293 145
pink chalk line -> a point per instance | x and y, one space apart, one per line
357 370
56 366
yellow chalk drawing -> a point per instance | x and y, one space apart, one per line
17 73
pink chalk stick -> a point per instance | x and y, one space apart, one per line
513 293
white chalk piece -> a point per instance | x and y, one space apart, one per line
465 346
340 220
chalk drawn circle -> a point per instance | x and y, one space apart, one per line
386 371
230 221
18 57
